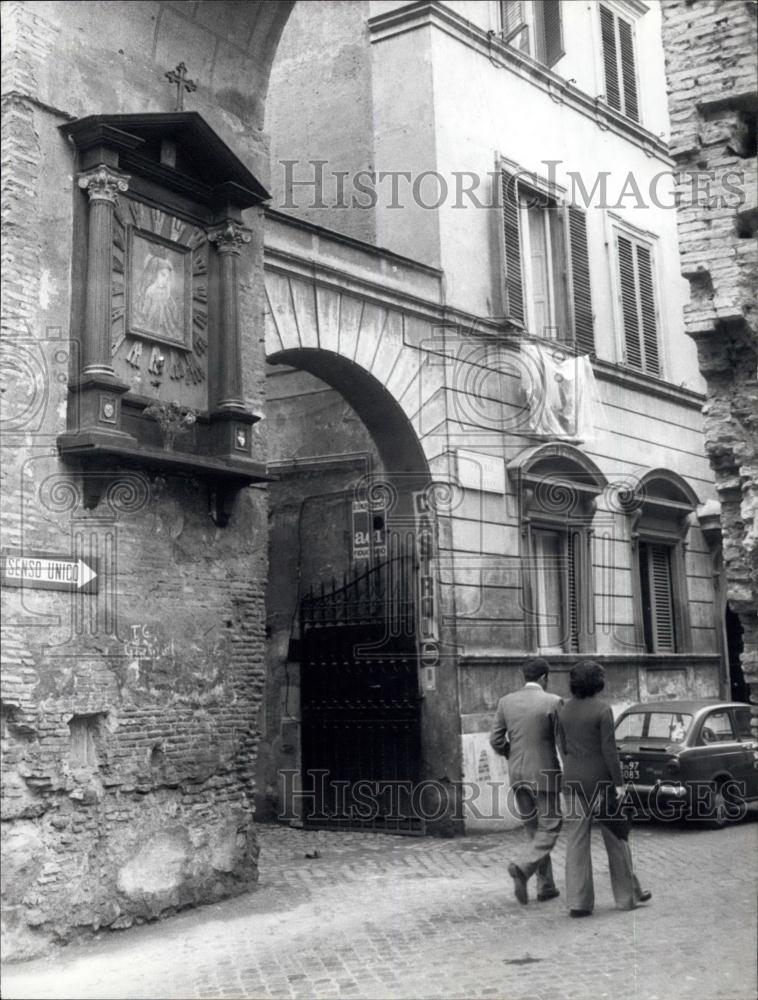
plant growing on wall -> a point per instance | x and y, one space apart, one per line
173 419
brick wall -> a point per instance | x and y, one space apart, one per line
712 68
129 716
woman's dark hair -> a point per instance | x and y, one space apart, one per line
586 678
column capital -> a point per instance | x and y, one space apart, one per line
229 237
103 183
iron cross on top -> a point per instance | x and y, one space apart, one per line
179 77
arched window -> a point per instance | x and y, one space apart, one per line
557 487
659 527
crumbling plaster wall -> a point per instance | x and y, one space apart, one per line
712 70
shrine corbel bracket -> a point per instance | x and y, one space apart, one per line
221 503
93 488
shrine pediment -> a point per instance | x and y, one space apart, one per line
178 150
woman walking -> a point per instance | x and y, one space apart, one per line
593 785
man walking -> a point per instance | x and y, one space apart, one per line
524 731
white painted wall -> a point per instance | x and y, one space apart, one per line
441 105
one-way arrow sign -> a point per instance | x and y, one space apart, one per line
43 571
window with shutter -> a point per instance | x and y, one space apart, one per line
628 69
619 63
647 309
610 58
512 15
547 276
534 27
548 552
573 562
557 560
638 310
657 598
515 28
511 236
584 334
659 533
557 486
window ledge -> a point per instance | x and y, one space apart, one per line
564 661
649 384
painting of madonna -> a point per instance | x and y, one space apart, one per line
158 292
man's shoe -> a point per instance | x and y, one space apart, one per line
542 897
645 897
580 913
519 883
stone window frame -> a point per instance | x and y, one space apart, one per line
557 489
579 334
662 516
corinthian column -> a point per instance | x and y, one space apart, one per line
102 184
228 239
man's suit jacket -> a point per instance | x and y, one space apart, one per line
527 718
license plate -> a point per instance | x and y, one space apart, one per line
631 770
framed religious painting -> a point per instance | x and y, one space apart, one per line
160 299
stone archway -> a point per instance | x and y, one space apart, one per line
390 734
383 416
336 335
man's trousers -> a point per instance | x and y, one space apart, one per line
541 814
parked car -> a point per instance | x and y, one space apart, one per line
694 759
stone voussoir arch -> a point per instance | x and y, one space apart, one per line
357 345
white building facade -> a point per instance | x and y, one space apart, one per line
516 152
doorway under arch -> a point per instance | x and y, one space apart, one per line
342 699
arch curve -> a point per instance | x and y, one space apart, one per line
557 460
666 485
384 418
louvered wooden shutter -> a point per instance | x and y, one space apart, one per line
572 596
584 335
661 601
647 310
513 282
512 16
551 31
610 59
638 306
629 309
628 72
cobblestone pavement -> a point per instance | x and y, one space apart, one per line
382 916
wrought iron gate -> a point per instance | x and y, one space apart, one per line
360 702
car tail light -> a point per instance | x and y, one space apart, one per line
672 766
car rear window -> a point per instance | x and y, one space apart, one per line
742 716
631 727
669 727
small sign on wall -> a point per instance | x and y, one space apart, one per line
477 471
369 531
46 571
